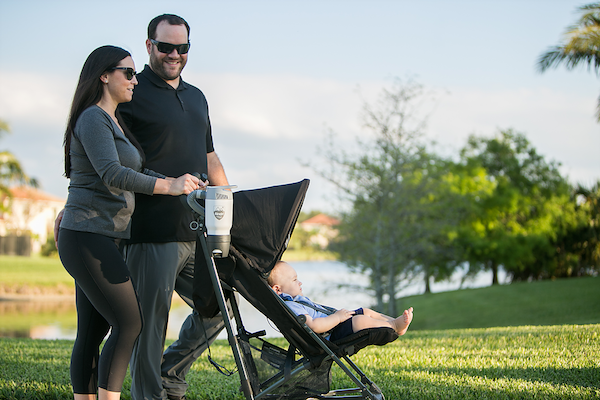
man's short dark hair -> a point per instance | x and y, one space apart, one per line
172 19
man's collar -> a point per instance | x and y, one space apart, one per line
160 82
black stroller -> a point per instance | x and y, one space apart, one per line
263 221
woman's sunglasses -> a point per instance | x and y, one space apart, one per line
168 48
129 72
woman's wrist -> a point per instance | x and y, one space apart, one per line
162 186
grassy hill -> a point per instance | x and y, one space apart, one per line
557 302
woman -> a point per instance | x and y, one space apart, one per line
105 166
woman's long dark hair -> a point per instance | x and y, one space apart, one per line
89 92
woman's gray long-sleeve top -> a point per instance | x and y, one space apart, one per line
105 173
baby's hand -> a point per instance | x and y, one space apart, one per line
344 314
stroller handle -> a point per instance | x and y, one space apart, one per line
191 201
200 194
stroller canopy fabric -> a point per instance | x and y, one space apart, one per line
263 220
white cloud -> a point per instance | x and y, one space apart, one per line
279 106
38 98
559 125
264 124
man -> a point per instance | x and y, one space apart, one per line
169 118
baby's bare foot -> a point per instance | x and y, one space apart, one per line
402 322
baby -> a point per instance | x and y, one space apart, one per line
284 281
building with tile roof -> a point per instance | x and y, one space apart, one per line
30 221
322 228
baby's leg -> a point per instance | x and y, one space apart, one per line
373 319
375 315
360 322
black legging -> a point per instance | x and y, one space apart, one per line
105 298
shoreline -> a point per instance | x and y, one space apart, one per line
37 297
64 291
16 292
61 296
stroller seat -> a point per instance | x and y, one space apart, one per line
263 221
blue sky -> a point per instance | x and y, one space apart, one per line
278 74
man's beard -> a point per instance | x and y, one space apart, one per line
159 68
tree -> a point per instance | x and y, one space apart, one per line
589 247
393 188
578 241
514 225
458 192
581 45
11 171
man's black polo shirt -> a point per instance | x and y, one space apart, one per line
173 128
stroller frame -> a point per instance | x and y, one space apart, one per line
247 281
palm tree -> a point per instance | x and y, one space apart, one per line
11 171
581 45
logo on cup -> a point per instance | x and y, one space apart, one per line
219 212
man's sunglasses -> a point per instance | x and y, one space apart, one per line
129 72
168 48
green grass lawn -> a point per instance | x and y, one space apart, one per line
544 344
34 275
563 301
527 362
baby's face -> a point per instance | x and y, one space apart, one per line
288 280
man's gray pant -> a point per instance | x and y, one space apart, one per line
156 270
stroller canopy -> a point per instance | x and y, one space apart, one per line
263 220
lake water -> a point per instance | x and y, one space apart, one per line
56 319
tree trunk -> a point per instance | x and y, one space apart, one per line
391 290
376 276
378 286
427 284
494 268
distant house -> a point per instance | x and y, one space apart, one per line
26 227
322 228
